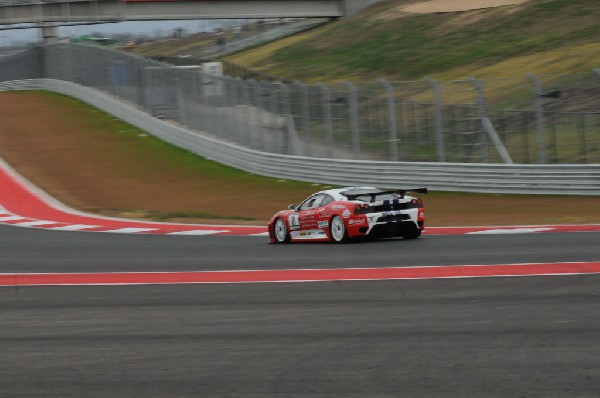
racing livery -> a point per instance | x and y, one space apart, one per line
353 212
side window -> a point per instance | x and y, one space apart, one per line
312 202
326 200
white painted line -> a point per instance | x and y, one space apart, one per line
129 230
198 232
73 227
260 234
12 218
510 231
34 223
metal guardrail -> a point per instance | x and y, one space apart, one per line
484 178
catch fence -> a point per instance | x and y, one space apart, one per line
521 120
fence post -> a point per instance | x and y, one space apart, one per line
181 100
230 114
262 110
539 117
481 115
326 99
245 102
439 130
289 145
272 111
254 113
391 107
353 117
305 109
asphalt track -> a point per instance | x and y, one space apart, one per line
503 336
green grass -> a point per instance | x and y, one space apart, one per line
411 46
136 143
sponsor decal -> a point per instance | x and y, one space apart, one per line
294 222
421 214
308 235
338 207
346 213
323 224
357 221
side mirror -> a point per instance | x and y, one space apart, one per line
292 207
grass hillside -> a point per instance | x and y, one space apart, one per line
541 36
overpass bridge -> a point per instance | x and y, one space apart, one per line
74 12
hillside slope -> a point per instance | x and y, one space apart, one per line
389 41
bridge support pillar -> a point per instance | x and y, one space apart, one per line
49 33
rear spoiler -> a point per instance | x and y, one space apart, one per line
353 194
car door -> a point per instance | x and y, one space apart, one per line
307 213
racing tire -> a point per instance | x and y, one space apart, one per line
411 233
280 231
337 230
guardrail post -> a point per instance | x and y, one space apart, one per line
539 117
439 130
326 99
481 115
391 111
353 117
305 109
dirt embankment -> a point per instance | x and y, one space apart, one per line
435 6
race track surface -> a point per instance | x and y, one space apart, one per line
486 337
490 336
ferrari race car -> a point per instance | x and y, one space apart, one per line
346 213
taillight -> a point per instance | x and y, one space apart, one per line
416 202
361 208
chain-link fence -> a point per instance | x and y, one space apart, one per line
516 120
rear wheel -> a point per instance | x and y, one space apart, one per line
280 231
411 233
337 230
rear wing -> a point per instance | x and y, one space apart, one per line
374 193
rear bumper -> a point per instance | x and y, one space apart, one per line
388 224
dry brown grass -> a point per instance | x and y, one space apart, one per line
92 162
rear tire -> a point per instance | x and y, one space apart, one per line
411 233
280 231
337 230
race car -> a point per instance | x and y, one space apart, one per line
342 214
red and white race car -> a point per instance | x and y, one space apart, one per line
353 212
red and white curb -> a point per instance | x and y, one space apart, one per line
300 275
24 205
